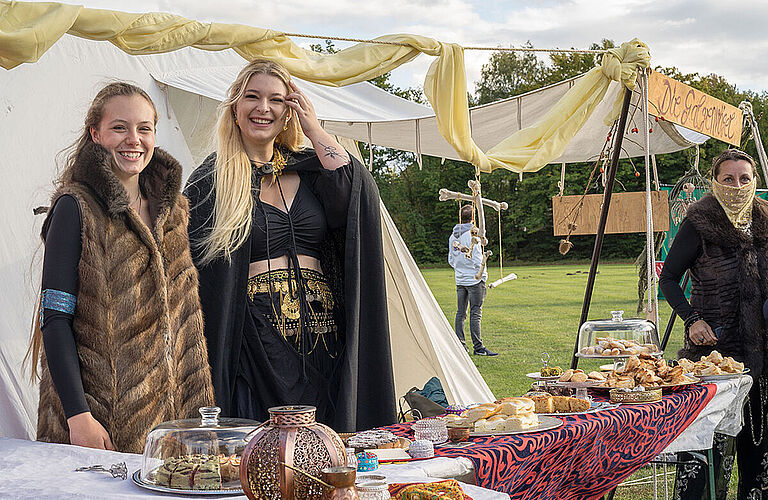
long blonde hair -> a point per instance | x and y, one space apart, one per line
232 171
92 120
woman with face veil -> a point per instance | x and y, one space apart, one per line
288 244
723 241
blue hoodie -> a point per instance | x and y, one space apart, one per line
464 268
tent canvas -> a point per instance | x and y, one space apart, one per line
42 107
408 126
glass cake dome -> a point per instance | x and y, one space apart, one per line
618 338
196 453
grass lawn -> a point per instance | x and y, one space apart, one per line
539 312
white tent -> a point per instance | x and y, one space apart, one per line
42 106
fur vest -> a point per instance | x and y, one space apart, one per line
138 324
730 282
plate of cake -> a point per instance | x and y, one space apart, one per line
504 417
547 404
197 474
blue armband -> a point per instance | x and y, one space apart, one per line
56 300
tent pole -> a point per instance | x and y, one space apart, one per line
610 178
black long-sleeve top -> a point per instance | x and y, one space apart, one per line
686 248
60 272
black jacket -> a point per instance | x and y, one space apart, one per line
353 261
730 282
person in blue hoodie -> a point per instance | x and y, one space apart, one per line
469 290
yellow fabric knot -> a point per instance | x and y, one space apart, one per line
621 63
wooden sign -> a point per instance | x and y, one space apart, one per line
626 215
678 103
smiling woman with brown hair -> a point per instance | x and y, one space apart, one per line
288 244
119 318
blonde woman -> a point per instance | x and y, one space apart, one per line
287 241
120 321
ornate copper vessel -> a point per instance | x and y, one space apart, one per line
291 437
342 480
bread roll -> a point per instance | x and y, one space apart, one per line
516 406
577 405
543 402
521 422
482 411
596 376
561 404
579 378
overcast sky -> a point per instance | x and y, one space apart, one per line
704 36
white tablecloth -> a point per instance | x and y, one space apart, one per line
722 414
29 469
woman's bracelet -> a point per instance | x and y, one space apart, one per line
693 318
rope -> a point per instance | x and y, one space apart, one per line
746 108
650 247
501 262
401 44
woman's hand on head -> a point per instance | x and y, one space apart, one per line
701 334
303 110
84 430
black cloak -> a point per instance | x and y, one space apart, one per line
353 261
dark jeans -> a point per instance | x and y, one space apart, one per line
474 295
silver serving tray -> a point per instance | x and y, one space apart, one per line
545 424
537 376
722 376
136 476
617 356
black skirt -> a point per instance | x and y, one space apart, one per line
291 347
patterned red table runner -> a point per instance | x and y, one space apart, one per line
586 457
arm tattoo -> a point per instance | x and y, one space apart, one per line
331 152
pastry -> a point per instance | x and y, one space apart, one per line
456 421
565 404
516 406
578 405
551 371
483 411
579 378
491 424
596 376
521 422
230 468
543 402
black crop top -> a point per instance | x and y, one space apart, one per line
309 225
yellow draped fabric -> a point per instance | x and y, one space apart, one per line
27 30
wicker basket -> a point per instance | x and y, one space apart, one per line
647 396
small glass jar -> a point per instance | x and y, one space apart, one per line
430 429
351 457
373 490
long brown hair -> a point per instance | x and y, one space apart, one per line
92 120
232 171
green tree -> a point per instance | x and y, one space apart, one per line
509 73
